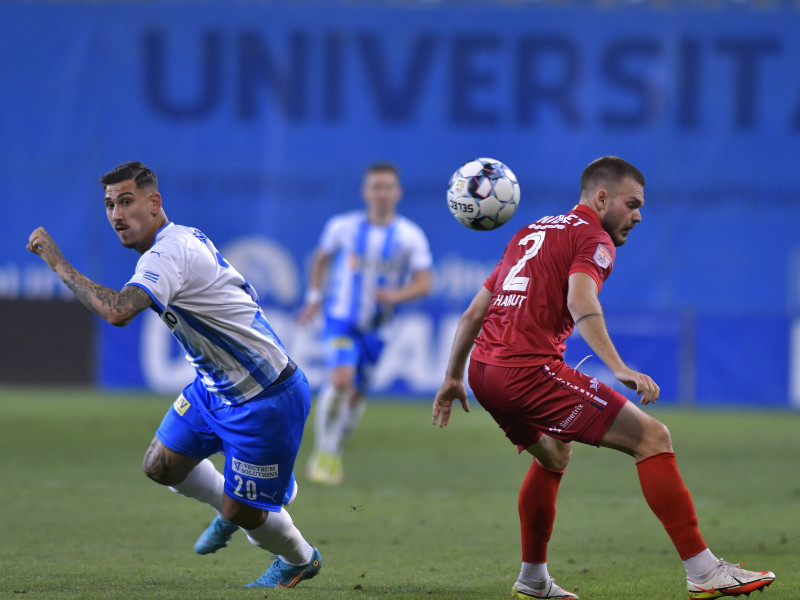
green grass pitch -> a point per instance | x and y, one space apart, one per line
423 512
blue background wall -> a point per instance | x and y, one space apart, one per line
260 118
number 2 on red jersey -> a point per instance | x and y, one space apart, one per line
513 282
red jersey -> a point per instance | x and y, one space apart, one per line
528 320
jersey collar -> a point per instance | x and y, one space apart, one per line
170 224
586 212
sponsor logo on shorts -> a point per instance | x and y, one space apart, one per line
602 256
572 416
342 342
254 471
181 405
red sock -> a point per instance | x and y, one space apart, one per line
537 511
669 499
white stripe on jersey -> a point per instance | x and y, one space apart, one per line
212 311
367 257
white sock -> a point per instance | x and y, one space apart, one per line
534 575
204 483
701 566
345 423
328 405
278 535
354 414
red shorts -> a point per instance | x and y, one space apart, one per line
551 399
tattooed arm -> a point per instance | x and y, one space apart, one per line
118 308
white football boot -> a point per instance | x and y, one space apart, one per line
729 579
520 591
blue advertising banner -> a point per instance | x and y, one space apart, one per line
260 118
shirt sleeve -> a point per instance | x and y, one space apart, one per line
329 240
595 257
160 273
421 257
492 280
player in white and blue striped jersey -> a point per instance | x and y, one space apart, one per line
248 401
374 259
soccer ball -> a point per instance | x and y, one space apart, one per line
483 194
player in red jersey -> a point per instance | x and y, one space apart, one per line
546 284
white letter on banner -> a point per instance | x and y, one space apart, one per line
302 342
406 356
794 364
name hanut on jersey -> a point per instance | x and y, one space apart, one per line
515 300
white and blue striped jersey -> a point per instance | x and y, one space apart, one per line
366 257
212 311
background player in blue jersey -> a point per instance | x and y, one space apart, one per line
249 400
372 259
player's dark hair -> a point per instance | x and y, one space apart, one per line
143 176
383 167
609 168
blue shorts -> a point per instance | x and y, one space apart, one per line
347 346
259 438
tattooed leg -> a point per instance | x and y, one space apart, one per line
166 466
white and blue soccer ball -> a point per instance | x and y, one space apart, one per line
483 194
